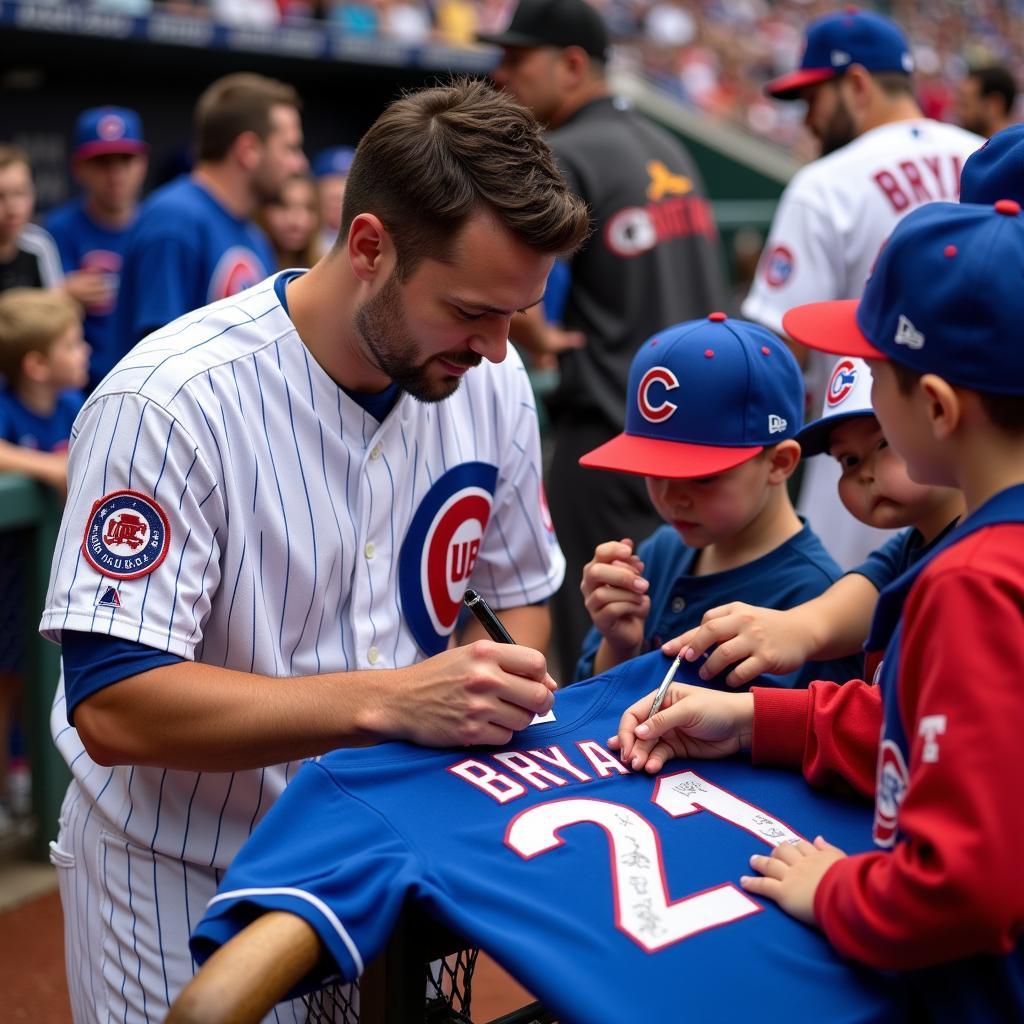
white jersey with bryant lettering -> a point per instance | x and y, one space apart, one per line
831 223
230 504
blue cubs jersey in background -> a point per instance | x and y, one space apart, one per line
185 251
85 245
611 895
21 426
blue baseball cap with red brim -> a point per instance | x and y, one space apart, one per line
703 397
836 41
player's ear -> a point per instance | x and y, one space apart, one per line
574 64
782 460
859 86
370 248
248 150
34 366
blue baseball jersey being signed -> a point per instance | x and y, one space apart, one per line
611 895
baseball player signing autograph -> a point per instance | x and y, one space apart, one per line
276 503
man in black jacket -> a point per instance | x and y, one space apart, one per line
653 260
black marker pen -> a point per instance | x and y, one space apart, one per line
480 608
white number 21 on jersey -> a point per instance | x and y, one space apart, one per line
642 907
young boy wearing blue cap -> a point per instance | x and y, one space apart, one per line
875 489
109 159
713 409
937 741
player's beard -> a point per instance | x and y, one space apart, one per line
381 322
840 129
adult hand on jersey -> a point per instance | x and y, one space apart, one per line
752 640
692 722
791 875
477 694
615 595
89 287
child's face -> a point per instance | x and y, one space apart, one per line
874 485
712 509
17 200
291 220
68 360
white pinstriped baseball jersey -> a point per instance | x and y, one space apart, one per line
830 225
273 526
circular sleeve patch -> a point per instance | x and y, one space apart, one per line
127 535
778 266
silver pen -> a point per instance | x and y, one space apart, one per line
663 689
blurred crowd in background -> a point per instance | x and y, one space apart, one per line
713 55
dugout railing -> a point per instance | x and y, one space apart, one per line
30 513
424 976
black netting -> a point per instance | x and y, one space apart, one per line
448 993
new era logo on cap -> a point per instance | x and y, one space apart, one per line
907 334
704 396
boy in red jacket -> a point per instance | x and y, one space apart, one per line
937 741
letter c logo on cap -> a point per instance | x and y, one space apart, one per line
667 379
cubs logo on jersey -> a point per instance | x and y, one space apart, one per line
127 535
650 395
841 383
440 551
890 788
238 269
778 266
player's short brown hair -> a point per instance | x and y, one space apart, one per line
235 104
31 320
894 83
10 155
1005 411
436 157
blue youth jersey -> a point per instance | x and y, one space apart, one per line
796 571
897 555
85 245
21 426
186 250
609 894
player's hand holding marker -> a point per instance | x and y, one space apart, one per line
752 640
615 594
692 722
478 694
